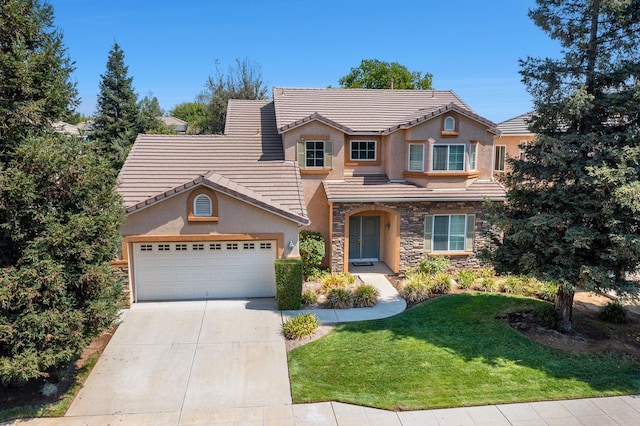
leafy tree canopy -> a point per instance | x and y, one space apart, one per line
194 113
149 120
573 205
376 74
117 114
244 81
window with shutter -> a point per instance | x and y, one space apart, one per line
449 232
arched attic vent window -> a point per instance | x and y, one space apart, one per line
202 206
449 124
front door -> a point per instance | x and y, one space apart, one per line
364 238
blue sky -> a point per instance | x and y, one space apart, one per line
470 46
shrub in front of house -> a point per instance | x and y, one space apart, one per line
513 285
312 248
548 291
466 278
615 313
432 265
487 284
338 280
300 326
415 287
339 298
440 283
365 295
288 283
309 297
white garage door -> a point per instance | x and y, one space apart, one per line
204 270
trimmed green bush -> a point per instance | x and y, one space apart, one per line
545 315
339 298
309 297
312 248
288 283
338 280
615 313
513 285
300 326
466 278
365 295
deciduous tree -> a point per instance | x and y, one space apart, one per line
376 74
573 206
244 81
194 113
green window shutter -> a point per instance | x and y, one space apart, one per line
301 154
328 154
428 227
471 232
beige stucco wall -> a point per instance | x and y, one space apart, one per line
169 217
322 131
512 142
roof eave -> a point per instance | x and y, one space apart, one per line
413 199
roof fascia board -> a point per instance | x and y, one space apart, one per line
417 199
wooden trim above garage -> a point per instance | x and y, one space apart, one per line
278 237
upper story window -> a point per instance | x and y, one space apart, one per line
501 154
202 205
523 147
449 124
448 158
416 157
315 154
363 151
473 156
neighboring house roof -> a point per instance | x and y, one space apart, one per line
248 168
363 110
372 188
517 125
174 122
66 128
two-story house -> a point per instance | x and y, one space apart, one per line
514 135
384 175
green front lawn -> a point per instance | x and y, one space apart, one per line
450 351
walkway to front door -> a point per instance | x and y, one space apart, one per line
364 238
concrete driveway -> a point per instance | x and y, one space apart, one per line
199 356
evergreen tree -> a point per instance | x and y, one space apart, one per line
242 82
573 206
116 118
59 212
149 120
35 89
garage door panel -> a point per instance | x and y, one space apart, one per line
174 271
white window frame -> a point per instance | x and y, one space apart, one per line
358 141
448 145
198 212
523 154
409 161
463 235
473 156
452 120
500 159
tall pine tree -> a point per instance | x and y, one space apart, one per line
573 207
35 89
117 114
59 211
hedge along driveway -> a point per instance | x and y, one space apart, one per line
450 351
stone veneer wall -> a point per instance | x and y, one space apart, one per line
412 231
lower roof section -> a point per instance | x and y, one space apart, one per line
379 188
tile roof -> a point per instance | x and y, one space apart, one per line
379 188
251 168
361 110
517 125
251 117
